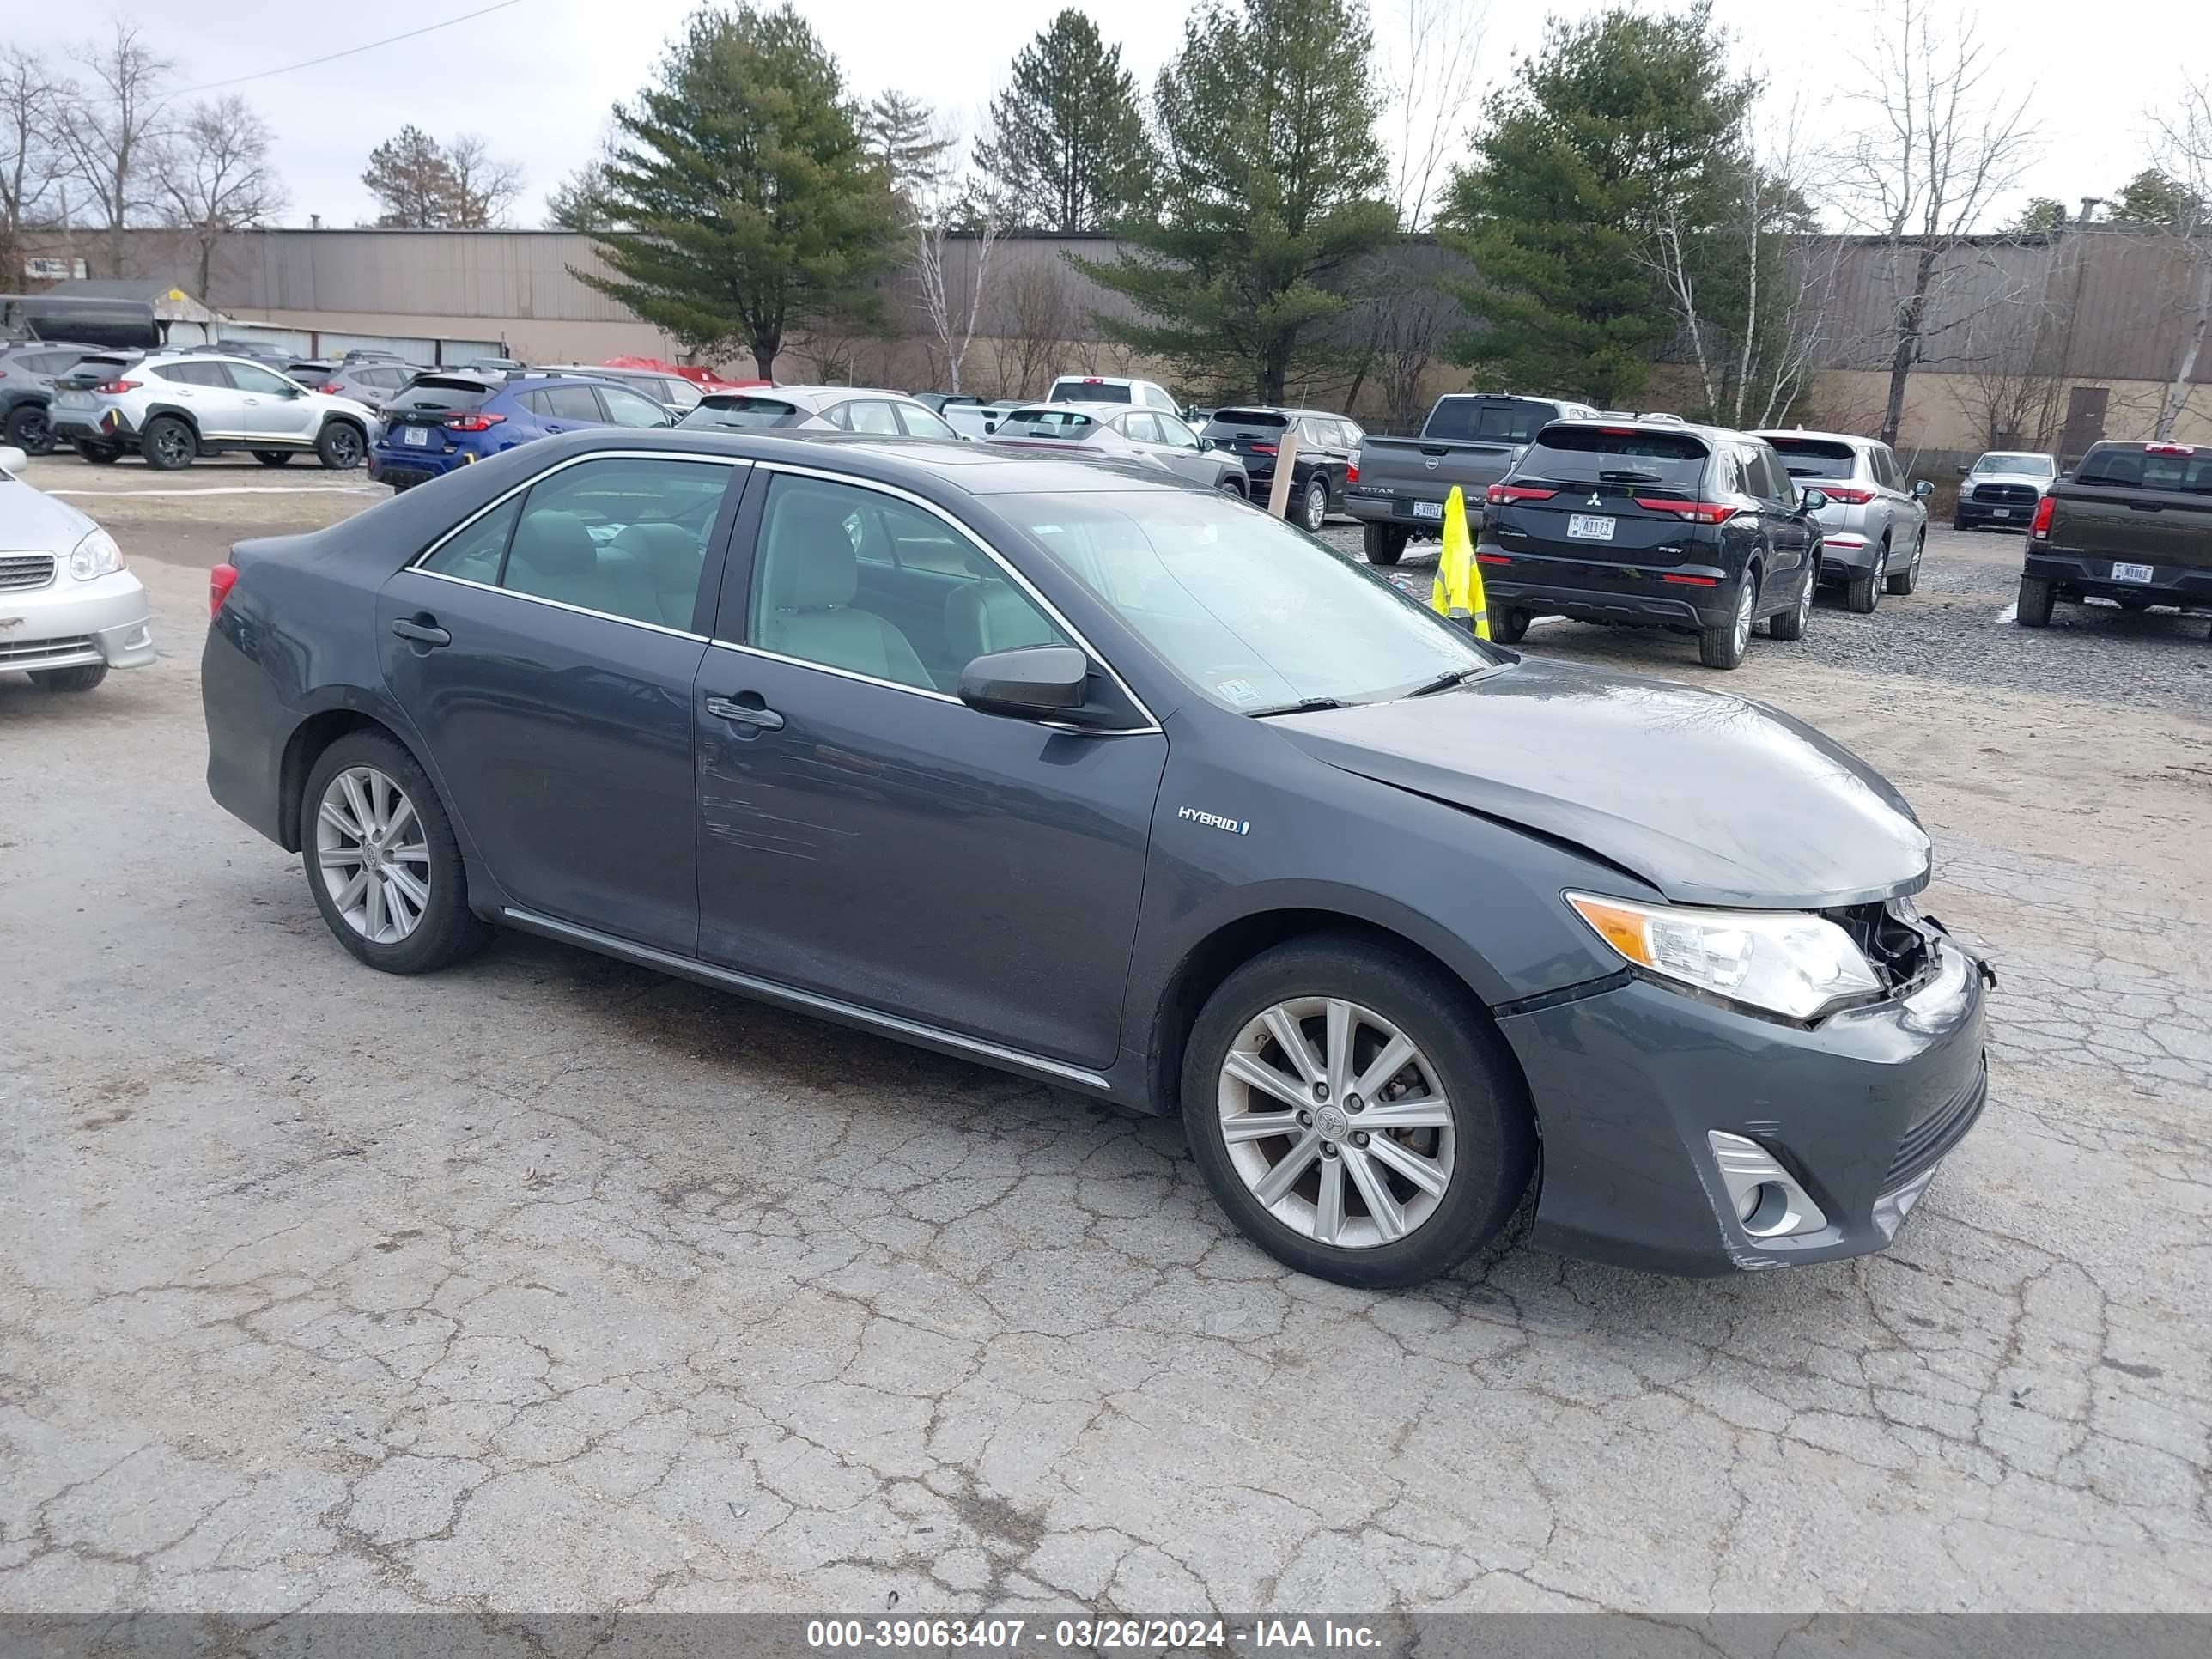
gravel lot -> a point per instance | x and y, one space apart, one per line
550 1285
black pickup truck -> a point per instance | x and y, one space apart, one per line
2133 523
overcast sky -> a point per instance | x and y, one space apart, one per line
537 76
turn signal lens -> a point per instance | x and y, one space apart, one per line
1783 962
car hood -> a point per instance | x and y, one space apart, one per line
1712 799
32 521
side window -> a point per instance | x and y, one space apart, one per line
569 402
477 551
1773 476
813 600
872 417
1173 431
1885 467
920 423
627 408
1158 398
624 535
248 377
1734 472
535 402
1141 427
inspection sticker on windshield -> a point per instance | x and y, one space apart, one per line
1238 691
2132 572
1590 528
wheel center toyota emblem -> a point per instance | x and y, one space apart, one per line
1332 1123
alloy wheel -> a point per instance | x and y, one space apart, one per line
1316 506
173 445
373 854
1336 1122
1743 602
1805 603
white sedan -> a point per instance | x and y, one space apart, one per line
69 610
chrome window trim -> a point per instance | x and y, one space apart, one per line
559 604
498 501
1074 633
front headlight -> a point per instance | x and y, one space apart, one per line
1784 962
97 555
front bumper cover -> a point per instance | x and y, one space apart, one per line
1630 1083
73 624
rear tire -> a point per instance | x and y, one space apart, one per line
1316 503
1385 543
1902 582
98 454
2034 608
69 679
1507 625
31 430
167 445
1723 647
446 931
1864 592
1490 1134
273 457
341 445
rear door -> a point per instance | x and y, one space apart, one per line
545 651
565 408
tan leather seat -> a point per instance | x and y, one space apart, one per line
811 577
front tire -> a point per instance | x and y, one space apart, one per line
1316 504
69 679
273 457
1789 625
1350 1033
340 446
382 861
1384 544
2033 610
31 430
1902 582
1723 647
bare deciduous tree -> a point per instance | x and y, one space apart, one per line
1942 140
954 275
1038 309
482 187
31 159
1431 53
1998 379
111 130
2185 137
215 178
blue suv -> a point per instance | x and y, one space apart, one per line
441 421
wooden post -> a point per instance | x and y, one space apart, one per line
1279 498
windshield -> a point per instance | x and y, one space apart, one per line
1490 420
1816 458
2035 466
436 394
1087 391
1624 455
1252 614
724 411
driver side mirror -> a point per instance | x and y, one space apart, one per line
1963 471
1923 490
1812 501
1035 682
1206 443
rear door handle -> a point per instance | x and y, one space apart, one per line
726 708
421 633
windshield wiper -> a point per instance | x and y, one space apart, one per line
1303 706
1446 681
1626 475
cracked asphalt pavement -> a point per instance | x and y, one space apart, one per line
548 1284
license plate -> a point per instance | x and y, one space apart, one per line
1586 528
74 399
2000 512
2133 573
1428 509
417 435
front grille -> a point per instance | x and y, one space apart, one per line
27 569
2005 494
29 654
1927 1141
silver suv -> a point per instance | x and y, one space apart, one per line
1874 530
173 407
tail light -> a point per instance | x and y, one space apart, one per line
1506 494
472 422
2039 530
221 580
1352 474
1845 493
1265 449
1695 512
114 387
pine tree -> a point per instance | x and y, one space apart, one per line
1620 124
409 174
1067 147
750 205
1273 182
901 134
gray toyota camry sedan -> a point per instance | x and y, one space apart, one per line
1114 782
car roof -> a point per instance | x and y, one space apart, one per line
1653 424
1856 439
1069 406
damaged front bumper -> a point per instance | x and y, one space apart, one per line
1682 1135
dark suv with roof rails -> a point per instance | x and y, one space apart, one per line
1654 523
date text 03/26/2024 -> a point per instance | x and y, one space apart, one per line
1091 1635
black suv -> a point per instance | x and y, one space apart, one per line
27 369
1654 523
1327 455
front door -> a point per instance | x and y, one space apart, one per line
866 835
270 406
546 653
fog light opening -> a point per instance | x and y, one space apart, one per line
1765 1209
1768 1201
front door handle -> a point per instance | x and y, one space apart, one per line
421 633
728 709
